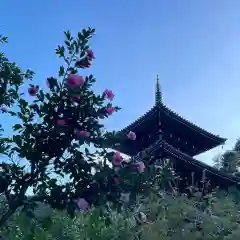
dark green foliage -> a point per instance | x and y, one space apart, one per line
168 218
11 78
229 162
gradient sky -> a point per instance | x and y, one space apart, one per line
193 45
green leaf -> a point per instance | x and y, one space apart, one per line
41 96
67 34
60 51
61 71
17 127
18 140
23 103
67 43
12 113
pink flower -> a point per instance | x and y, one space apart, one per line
110 110
84 134
116 180
75 81
117 159
109 94
90 54
61 122
140 166
82 204
131 135
75 97
33 90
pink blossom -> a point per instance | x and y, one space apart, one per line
75 81
61 122
82 204
109 94
110 110
140 166
117 159
84 134
75 97
131 135
116 180
90 54
33 90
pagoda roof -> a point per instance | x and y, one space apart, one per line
195 165
177 117
144 124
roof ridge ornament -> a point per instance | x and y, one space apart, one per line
158 93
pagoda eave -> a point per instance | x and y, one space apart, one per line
197 139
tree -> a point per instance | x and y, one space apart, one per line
54 137
229 161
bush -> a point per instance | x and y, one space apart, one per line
169 217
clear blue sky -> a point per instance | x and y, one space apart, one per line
194 45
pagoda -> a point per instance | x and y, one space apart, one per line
165 134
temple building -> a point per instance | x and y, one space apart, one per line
168 135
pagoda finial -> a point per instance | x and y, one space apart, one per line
158 94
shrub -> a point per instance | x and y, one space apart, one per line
169 217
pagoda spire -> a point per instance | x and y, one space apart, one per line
158 104
158 93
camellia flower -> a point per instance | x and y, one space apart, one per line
116 180
109 94
82 204
117 159
74 80
33 90
61 122
110 110
140 166
90 54
84 134
131 135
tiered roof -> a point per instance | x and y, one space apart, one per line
179 132
162 130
